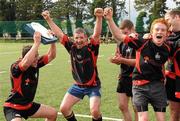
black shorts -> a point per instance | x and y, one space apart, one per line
125 86
11 113
153 93
170 89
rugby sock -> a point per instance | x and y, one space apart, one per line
71 117
99 119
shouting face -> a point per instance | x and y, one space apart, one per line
159 33
80 40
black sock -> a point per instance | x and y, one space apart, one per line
99 119
71 117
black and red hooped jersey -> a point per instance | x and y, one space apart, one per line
24 84
129 53
150 59
83 61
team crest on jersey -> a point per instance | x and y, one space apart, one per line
157 56
146 58
128 52
27 82
79 56
36 75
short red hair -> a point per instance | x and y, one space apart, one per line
159 20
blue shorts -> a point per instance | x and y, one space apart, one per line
80 92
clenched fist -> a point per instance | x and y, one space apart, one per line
98 12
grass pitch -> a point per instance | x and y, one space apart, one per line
56 78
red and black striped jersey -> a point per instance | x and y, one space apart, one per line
150 59
83 62
24 84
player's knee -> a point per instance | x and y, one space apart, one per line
95 113
175 116
63 109
123 107
53 114
142 118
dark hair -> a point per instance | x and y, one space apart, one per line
79 30
126 24
173 13
26 49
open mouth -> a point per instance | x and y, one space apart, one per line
159 37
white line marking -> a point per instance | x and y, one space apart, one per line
1 72
49 64
88 116
99 56
8 53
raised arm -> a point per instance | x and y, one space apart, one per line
108 15
98 12
51 52
58 32
29 58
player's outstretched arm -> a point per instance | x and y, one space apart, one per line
28 59
98 12
58 32
108 15
51 52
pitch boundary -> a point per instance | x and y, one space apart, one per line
88 116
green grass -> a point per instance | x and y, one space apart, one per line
55 79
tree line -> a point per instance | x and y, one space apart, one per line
77 12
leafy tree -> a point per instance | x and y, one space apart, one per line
48 4
118 9
140 22
63 10
81 7
177 3
98 4
29 9
143 5
155 8
2 14
7 13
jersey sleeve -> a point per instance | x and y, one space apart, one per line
94 46
43 60
135 43
16 69
66 43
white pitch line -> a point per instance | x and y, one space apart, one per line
99 56
49 64
88 116
8 53
1 72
